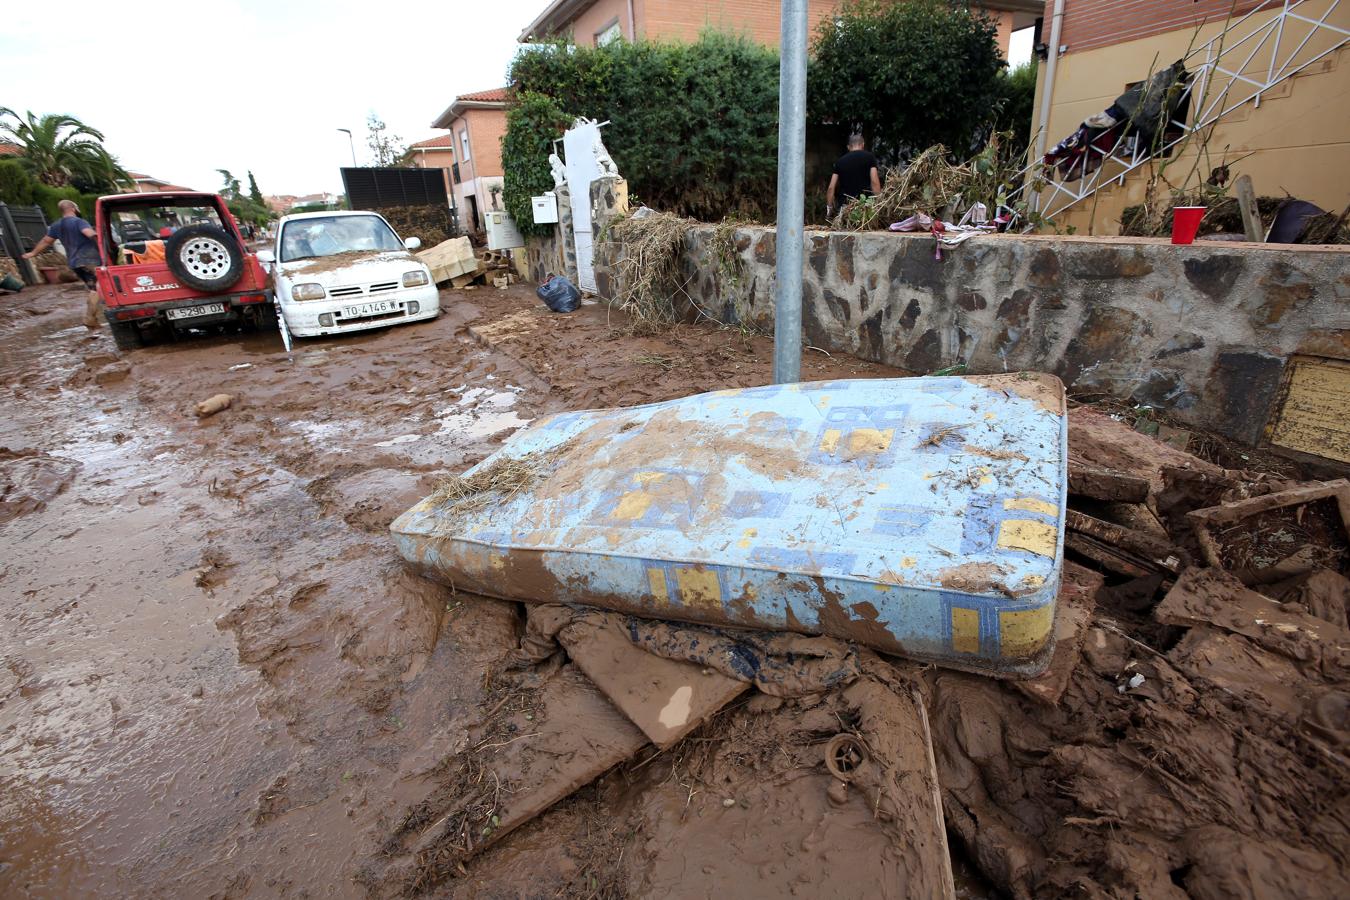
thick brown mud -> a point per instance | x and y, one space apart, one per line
216 677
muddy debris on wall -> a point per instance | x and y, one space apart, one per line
1188 738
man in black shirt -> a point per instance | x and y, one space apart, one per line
855 175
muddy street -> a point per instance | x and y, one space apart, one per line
218 679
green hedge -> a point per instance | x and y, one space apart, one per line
18 188
532 124
693 127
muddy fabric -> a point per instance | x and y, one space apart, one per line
782 665
540 640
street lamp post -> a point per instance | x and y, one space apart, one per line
353 144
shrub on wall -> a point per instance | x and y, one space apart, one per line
693 127
532 124
909 75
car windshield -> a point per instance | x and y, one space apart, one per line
330 235
140 221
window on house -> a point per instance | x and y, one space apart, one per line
464 143
609 34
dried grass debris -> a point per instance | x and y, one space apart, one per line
497 483
648 277
926 185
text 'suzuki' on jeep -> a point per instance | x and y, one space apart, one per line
194 273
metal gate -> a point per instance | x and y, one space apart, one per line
21 227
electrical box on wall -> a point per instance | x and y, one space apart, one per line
545 208
502 232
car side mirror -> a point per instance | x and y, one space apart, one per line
266 256
412 243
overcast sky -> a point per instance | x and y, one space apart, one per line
183 89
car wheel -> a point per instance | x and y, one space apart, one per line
204 257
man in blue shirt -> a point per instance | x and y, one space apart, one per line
77 237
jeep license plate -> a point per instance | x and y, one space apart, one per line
368 309
192 312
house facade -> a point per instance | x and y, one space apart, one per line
436 153
476 123
1282 119
596 22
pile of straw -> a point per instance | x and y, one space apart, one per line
647 271
495 484
926 185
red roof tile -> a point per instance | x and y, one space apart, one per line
495 95
443 140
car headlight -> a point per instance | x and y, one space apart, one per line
413 279
309 291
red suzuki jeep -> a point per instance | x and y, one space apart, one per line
174 262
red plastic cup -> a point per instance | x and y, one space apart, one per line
1185 223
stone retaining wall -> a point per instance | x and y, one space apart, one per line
1206 332
1203 331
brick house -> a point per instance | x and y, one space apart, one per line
435 153
476 123
1291 137
596 22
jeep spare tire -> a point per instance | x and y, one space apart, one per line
204 257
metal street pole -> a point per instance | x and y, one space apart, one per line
352 143
787 314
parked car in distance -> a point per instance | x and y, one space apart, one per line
335 272
200 277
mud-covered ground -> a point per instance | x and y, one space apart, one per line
216 677
218 680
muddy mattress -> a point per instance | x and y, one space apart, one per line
918 516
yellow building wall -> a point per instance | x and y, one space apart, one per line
1296 142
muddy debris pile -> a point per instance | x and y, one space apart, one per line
1187 740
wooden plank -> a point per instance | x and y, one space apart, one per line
665 698
900 781
1106 484
1149 552
1251 215
1213 597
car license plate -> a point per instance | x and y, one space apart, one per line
368 309
191 312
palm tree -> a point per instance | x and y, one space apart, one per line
60 149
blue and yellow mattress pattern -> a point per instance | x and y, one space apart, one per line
918 516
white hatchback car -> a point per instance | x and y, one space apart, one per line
336 272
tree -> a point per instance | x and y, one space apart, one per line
908 75
385 149
253 193
1017 95
230 189
244 207
61 151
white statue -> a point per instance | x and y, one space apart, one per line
559 170
603 159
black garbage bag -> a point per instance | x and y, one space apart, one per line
559 294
